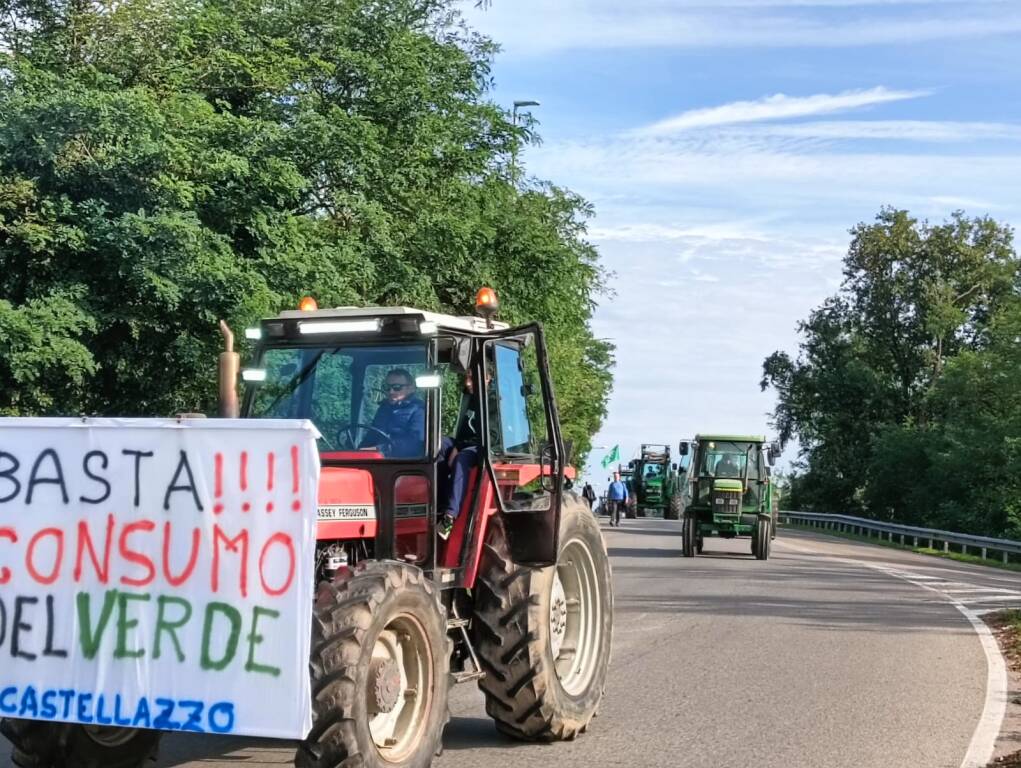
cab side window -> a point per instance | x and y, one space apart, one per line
520 408
517 410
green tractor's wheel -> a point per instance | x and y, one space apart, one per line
675 508
761 539
690 536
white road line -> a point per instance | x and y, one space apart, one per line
987 598
983 739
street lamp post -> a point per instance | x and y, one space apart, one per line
514 120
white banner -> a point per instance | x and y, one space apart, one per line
157 573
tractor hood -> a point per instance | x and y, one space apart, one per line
347 503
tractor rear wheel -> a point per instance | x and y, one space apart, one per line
40 744
689 536
380 665
675 508
543 635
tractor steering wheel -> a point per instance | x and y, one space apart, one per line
348 431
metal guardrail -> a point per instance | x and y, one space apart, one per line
865 527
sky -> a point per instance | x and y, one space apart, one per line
729 145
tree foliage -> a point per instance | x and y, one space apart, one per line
903 396
165 163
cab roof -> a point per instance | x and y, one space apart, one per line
469 323
731 438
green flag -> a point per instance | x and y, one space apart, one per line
611 457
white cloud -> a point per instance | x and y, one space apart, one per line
601 24
777 107
690 347
902 130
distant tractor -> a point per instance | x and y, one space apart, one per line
729 491
654 480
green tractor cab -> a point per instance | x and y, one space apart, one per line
654 481
728 491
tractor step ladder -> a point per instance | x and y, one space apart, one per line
458 623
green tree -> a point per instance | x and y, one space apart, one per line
165 163
924 312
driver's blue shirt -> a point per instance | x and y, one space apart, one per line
404 422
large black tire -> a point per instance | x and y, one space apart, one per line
675 509
534 691
40 744
689 536
761 539
630 511
380 605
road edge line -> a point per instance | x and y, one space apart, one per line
994 709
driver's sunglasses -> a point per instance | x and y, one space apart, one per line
395 387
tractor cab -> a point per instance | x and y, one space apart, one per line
391 392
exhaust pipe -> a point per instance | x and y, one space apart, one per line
230 363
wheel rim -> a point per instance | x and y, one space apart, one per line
576 620
399 688
109 737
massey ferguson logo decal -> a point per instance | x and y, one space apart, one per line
347 512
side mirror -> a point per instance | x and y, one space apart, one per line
683 448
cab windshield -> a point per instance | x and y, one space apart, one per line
361 398
728 460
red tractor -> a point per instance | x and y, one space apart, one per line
513 593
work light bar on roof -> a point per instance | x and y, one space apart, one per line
308 327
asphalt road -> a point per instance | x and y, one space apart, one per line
829 654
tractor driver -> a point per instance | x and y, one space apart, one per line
401 416
728 466
461 454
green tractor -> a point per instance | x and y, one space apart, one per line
654 481
729 491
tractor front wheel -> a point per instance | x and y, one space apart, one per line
380 665
40 744
689 536
761 540
543 635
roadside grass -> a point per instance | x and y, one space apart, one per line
1006 627
959 557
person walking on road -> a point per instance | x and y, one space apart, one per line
589 494
616 497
